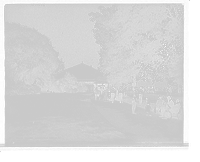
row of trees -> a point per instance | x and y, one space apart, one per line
140 42
31 63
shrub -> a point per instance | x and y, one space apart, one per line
23 91
36 89
82 88
67 90
21 88
10 92
74 90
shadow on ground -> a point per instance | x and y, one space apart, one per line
60 129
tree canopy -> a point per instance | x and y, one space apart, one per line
29 55
139 41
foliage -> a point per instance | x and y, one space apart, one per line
29 55
82 88
139 41
20 88
68 84
175 72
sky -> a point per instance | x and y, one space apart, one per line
67 26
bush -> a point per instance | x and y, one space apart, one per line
82 88
10 92
36 89
67 90
21 88
23 91
74 90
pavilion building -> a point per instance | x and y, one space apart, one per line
87 75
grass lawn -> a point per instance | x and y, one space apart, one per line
56 117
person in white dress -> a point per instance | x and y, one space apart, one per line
105 94
108 95
134 93
140 92
148 108
113 94
120 97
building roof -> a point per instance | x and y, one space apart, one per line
83 73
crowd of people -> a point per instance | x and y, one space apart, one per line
163 105
109 94
168 90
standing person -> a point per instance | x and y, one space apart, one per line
140 95
175 109
170 103
134 92
160 105
112 92
101 90
105 94
146 101
134 104
146 106
148 109
109 95
169 106
120 95
96 93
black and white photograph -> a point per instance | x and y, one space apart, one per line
94 75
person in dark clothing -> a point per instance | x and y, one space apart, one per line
133 105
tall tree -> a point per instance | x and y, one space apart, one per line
138 40
29 57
